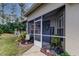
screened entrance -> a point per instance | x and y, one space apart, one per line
53 27
48 30
31 30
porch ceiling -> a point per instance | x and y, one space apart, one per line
52 13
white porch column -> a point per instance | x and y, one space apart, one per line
41 31
36 42
27 27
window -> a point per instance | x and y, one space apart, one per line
60 25
31 27
37 37
46 27
60 32
37 27
52 29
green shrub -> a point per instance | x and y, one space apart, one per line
21 37
10 27
1 31
55 40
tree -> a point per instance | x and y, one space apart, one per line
2 10
22 6
13 12
9 27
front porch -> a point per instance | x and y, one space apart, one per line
47 28
34 51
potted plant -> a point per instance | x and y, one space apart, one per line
55 41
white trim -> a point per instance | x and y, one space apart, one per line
37 20
41 31
50 35
27 27
34 31
54 36
37 34
38 43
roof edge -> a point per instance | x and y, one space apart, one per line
32 8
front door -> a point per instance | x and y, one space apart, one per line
37 33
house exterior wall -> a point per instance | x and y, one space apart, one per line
45 8
72 29
71 24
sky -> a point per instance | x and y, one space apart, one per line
7 9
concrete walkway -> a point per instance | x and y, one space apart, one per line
34 51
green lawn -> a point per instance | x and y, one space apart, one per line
8 45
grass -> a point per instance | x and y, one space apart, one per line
8 46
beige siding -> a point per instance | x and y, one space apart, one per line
72 29
43 10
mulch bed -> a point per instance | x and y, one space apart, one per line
24 48
25 45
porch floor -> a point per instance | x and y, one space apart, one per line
34 51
